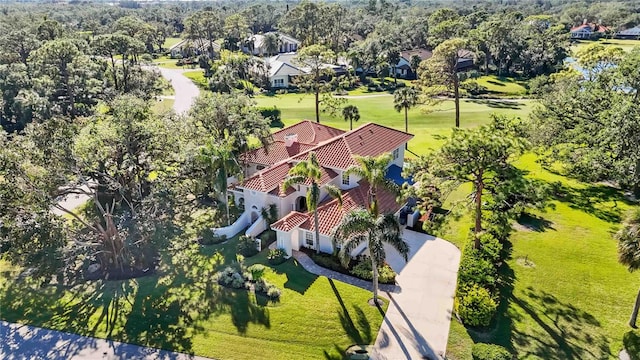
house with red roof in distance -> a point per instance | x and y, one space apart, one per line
268 167
589 31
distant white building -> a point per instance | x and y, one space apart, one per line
633 33
282 68
286 44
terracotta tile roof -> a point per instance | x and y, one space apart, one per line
308 132
289 222
330 213
275 152
269 180
367 140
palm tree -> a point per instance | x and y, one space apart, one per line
373 170
405 98
360 226
629 252
350 113
271 43
309 171
221 163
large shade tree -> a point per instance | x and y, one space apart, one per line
629 252
315 57
363 227
309 172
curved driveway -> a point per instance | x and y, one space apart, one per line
416 324
185 90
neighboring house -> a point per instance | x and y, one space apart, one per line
633 33
286 44
192 47
404 70
267 168
589 31
282 68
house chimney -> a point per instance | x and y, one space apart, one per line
290 139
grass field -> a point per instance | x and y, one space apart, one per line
502 85
197 76
315 318
626 45
424 122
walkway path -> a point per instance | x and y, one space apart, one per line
185 90
311 267
416 325
22 342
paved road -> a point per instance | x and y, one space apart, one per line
22 342
416 325
186 91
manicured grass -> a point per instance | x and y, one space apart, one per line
315 318
170 41
197 76
424 122
567 297
502 85
626 45
162 106
169 63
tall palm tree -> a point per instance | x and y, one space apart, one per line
221 163
373 170
405 98
361 226
309 171
350 113
629 252
271 43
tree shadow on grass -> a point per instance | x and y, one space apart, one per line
563 331
359 332
593 200
631 342
497 104
298 279
535 223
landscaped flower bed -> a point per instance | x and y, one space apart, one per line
359 267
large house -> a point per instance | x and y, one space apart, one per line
589 31
268 167
192 47
405 71
281 69
256 44
632 33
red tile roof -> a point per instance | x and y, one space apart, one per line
275 152
289 222
330 213
269 180
367 140
308 132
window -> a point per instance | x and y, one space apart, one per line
345 178
278 82
308 237
396 154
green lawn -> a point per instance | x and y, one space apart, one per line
626 45
197 76
424 122
314 319
567 297
502 85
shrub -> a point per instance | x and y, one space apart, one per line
208 237
267 238
363 270
276 256
475 269
273 114
273 293
490 248
481 351
473 88
328 261
247 246
256 271
476 307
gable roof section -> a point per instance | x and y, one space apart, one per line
330 213
308 132
274 152
368 140
269 180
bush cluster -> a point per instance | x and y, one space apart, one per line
482 351
273 114
208 237
232 278
359 267
246 246
276 256
476 298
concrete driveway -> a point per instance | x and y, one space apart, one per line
185 90
416 325
23 342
